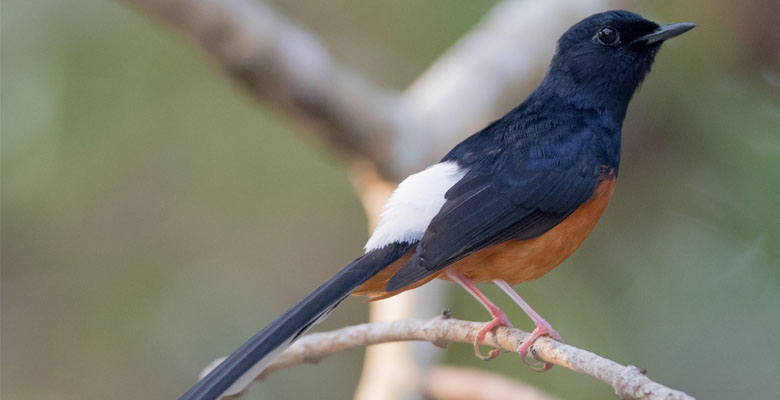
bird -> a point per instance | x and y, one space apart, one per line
506 205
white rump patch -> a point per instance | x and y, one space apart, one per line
413 205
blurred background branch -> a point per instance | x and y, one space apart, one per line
458 383
279 62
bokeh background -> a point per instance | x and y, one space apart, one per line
154 216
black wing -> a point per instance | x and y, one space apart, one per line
501 198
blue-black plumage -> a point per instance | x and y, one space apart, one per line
532 168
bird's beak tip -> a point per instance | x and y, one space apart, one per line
666 32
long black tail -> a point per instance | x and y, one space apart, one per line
241 367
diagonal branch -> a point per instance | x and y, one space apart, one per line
629 382
280 62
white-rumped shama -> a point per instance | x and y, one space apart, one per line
506 205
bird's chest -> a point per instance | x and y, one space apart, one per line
516 261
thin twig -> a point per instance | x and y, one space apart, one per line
629 382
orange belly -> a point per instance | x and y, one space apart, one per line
513 261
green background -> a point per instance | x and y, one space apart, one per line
154 216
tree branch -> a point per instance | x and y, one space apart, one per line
629 382
281 63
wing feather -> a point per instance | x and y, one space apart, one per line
488 206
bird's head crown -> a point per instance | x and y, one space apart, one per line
607 55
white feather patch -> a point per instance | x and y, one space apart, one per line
413 205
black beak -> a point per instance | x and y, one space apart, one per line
665 32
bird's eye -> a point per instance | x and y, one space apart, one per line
608 36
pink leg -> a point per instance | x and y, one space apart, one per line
499 318
543 327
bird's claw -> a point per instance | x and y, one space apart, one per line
542 329
499 319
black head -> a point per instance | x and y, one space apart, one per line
607 55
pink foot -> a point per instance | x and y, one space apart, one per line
543 328
499 319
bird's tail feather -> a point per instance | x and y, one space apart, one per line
240 368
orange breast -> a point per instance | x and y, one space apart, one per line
513 261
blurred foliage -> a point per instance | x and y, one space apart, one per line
153 216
